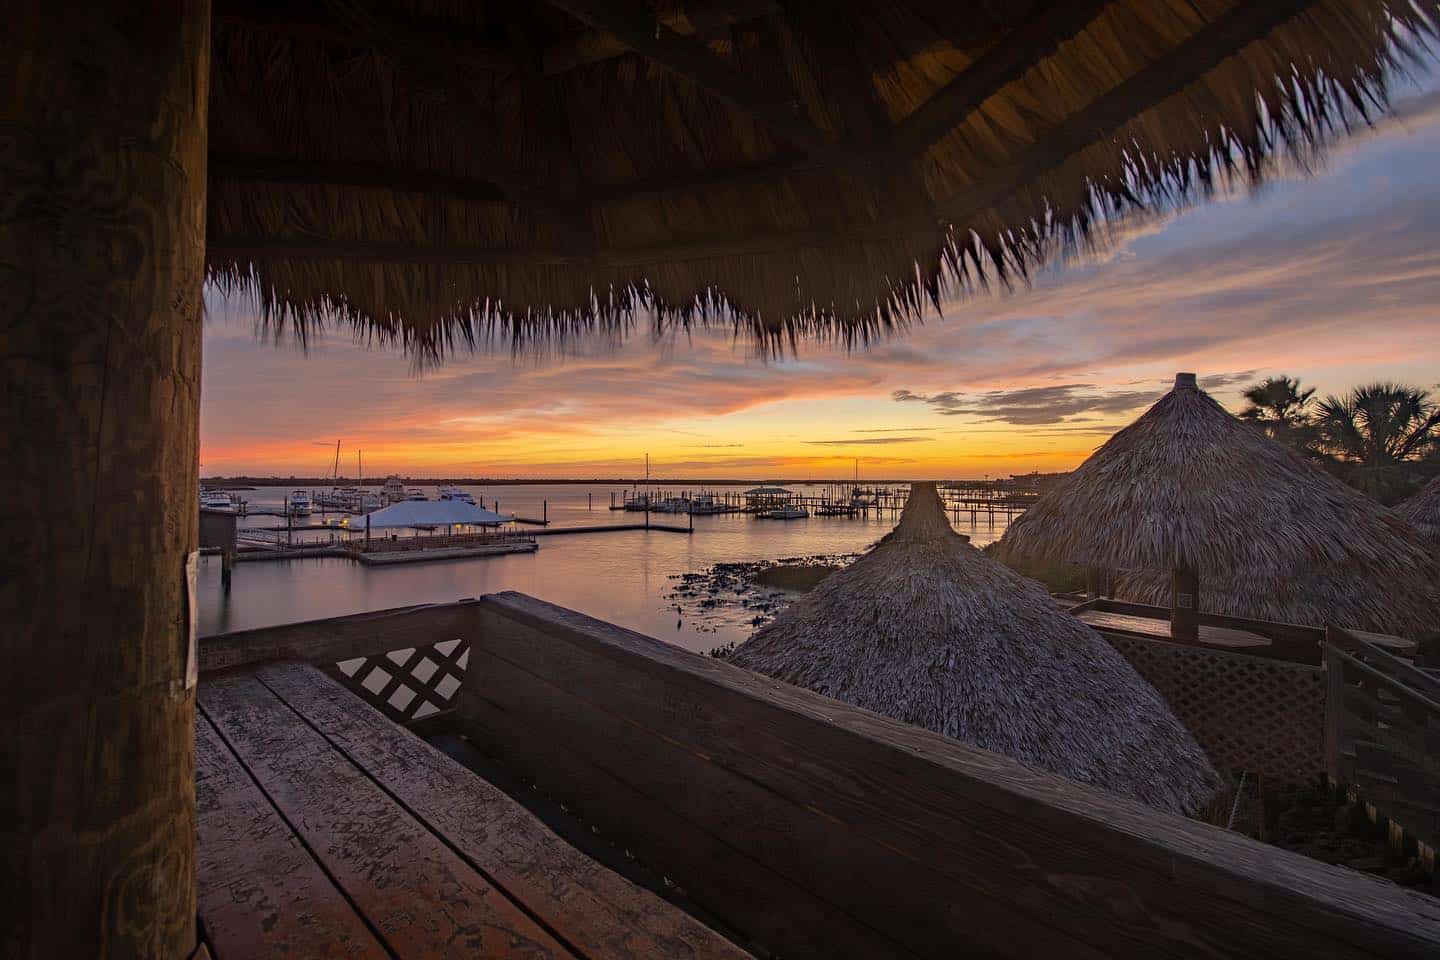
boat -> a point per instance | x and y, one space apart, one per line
394 489
455 493
672 505
216 500
415 493
638 502
299 505
788 512
705 504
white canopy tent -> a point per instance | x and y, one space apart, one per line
427 514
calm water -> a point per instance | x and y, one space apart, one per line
620 577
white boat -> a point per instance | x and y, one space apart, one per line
394 489
672 505
299 503
639 502
455 493
217 500
705 504
786 513
415 493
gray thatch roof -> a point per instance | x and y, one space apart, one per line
1271 535
436 171
926 629
1422 511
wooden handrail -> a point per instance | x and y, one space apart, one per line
340 638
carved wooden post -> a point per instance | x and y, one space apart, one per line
102 232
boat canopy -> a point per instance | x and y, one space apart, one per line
428 513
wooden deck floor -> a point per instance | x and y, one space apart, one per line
327 831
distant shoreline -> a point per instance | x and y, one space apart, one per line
220 483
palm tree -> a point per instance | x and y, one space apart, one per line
1376 429
1280 408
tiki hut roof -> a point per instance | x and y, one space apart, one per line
1271 535
1422 511
437 171
927 629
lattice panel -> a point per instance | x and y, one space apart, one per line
1248 713
408 684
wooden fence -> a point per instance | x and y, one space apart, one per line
1382 734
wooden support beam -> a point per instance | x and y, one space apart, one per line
1034 39
707 19
289 20
102 219
690 58
290 170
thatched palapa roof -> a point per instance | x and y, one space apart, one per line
1270 535
927 629
1422 511
433 170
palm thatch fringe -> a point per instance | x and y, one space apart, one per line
1270 535
926 629
1422 511
622 187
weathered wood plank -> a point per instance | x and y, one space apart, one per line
261 893
976 828
340 638
785 853
421 898
599 912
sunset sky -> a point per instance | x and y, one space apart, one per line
1333 278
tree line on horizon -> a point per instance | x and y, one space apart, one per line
1382 438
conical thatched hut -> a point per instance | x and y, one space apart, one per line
1422 511
927 629
1189 499
432 172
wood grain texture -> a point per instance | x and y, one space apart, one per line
602 914
340 638
260 893
102 225
422 899
980 835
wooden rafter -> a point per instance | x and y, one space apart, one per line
693 60
292 20
707 19
1035 39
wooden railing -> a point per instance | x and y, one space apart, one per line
1382 734
822 830
1288 641
407 662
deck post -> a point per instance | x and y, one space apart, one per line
102 243
1185 604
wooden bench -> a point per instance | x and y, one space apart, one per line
327 831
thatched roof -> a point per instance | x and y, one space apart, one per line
1422 511
1270 535
433 170
927 629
